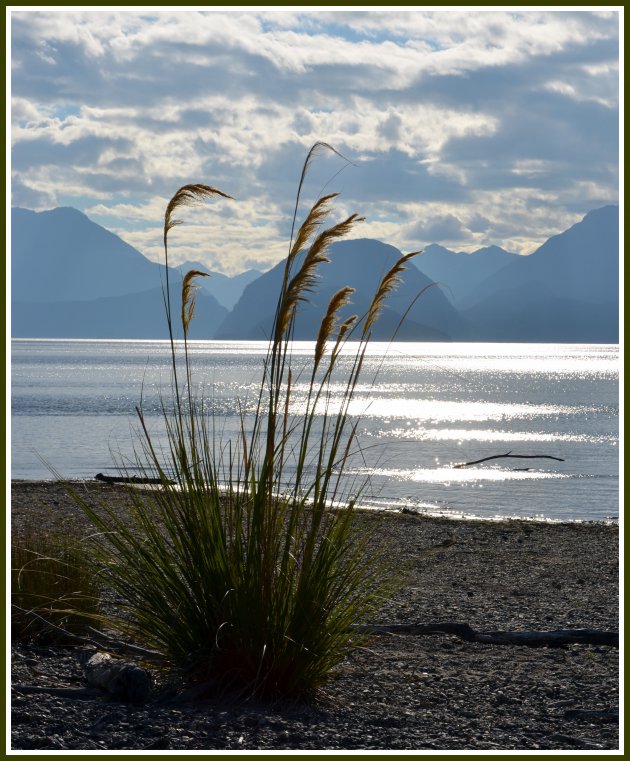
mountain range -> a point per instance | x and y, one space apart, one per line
362 263
461 274
226 290
72 278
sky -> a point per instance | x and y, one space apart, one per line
463 127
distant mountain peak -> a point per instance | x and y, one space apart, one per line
434 248
359 263
567 290
492 249
225 289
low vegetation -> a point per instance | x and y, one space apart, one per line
245 568
54 592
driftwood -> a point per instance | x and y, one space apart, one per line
555 638
509 454
98 639
125 648
74 693
590 715
128 479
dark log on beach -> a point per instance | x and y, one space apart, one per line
509 454
74 693
128 479
555 638
585 714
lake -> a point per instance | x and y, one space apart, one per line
422 406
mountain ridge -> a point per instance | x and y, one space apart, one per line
360 263
69 270
573 278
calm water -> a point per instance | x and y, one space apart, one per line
430 406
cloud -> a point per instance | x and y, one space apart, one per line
443 229
478 223
30 197
471 124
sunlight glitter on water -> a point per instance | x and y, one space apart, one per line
436 410
479 434
423 406
449 475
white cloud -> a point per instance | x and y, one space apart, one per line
451 115
24 112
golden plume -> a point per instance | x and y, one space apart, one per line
345 326
315 217
304 280
188 195
339 300
189 296
390 281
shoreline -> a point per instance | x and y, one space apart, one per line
403 692
394 510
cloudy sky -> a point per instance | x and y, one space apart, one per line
464 127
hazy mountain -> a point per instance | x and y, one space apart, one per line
61 255
581 263
136 315
226 290
458 273
361 264
71 278
542 317
567 290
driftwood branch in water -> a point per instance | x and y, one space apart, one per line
556 638
509 454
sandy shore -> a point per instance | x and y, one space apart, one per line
404 692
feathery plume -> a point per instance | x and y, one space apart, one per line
390 281
327 326
315 217
344 328
315 149
188 195
189 296
304 280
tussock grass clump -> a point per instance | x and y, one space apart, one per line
242 568
51 583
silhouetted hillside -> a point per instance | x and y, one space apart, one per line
61 255
136 315
461 274
361 264
73 278
567 290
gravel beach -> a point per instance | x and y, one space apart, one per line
402 692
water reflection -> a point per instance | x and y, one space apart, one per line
490 435
449 475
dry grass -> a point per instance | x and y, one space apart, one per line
51 583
